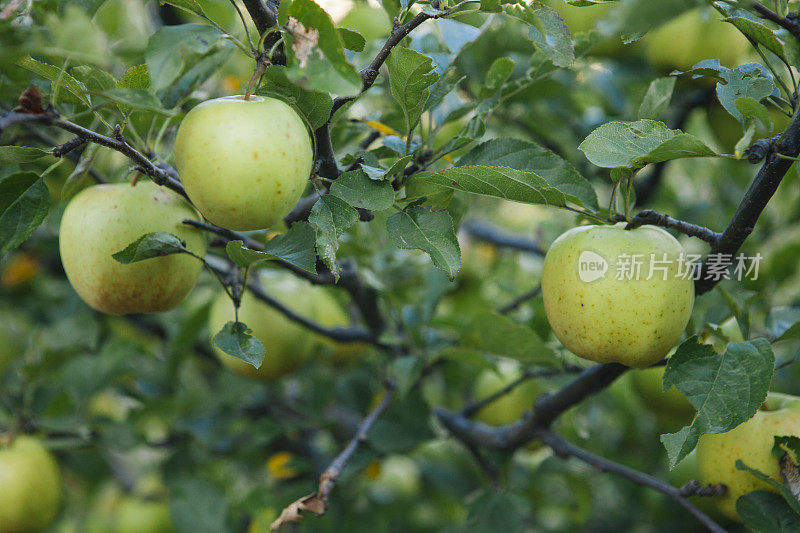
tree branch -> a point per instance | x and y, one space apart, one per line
789 24
485 232
546 409
755 200
160 173
322 278
319 501
648 216
514 304
565 449
336 334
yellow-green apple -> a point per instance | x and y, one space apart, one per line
398 477
509 407
244 163
604 307
327 312
137 515
692 37
671 408
371 22
752 442
103 220
584 19
30 485
287 344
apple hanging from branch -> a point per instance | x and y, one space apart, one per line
244 163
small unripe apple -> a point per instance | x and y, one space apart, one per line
751 442
597 312
692 37
103 220
30 485
509 407
287 344
328 313
671 408
244 163
139 515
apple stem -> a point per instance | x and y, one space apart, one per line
261 66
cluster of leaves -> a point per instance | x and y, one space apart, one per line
489 100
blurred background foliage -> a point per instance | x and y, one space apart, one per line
146 423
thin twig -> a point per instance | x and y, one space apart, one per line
160 173
790 25
648 216
337 334
318 502
485 232
565 449
321 278
514 304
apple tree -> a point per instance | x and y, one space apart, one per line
462 265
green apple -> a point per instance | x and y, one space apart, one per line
327 312
509 407
137 515
584 19
103 220
751 442
398 478
244 163
599 317
287 343
30 485
371 22
692 37
671 407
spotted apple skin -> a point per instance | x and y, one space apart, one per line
751 442
244 163
634 322
101 221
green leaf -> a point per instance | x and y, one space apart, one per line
634 144
13 155
94 79
547 30
410 76
190 6
498 74
135 77
430 231
358 190
57 77
135 99
766 512
531 157
171 46
497 334
760 33
313 34
404 426
331 217
296 247
751 108
352 40
657 97
197 506
496 510
235 339
726 389
781 488
499 182
24 202
745 80
151 245
313 105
